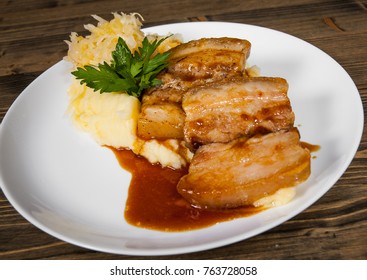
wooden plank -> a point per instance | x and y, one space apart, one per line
31 40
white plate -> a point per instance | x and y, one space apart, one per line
68 186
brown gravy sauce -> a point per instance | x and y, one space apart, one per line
154 203
311 147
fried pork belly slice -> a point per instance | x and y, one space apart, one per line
161 115
161 121
209 58
218 44
236 107
199 62
241 172
191 64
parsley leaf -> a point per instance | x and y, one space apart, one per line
128 72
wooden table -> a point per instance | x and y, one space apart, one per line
335 227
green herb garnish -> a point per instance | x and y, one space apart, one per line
128 72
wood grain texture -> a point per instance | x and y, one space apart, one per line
335 227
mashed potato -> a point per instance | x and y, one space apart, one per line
279 198
111 118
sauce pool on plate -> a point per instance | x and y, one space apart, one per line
154 203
